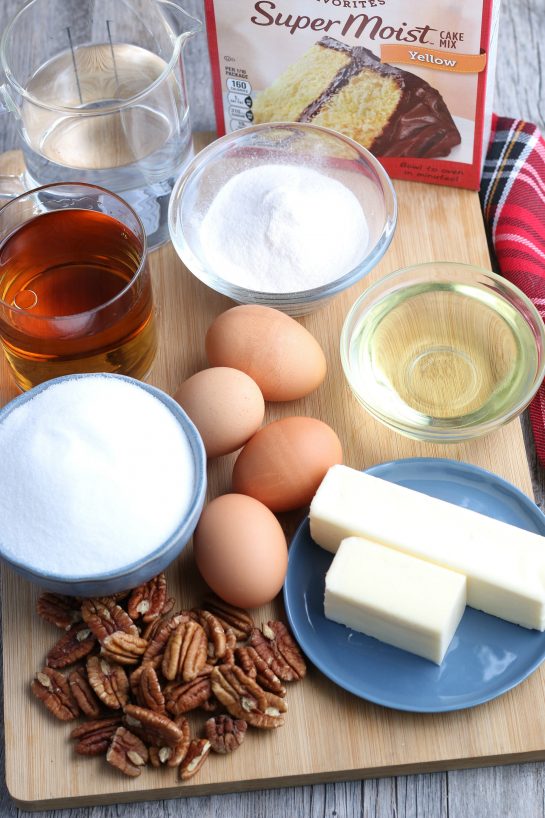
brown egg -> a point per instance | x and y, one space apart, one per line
285 462
240 550
282 357
225 405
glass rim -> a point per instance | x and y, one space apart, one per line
177 42
136 275
447 266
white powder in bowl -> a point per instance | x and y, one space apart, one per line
283 228
95 473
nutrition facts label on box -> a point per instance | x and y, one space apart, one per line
239 103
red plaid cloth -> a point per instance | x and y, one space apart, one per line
513 201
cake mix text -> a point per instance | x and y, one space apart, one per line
355 25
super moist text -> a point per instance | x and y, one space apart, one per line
267 14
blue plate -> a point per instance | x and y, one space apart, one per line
487 656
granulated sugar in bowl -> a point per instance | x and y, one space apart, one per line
102 481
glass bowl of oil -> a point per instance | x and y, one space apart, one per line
443 351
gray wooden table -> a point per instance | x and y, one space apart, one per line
517 790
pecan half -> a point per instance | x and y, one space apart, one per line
94 737
148 600
83 693
153 728
180 749
157 756
169 605
185 652
230 645
272 716
256 667
214 630
278 649
53 690
153 627
150 694
59 610
225 734
134 682
245 699
159 633
197 753
109 681
127 752
243 660
230 616
124 648
104 616
237 691
76 643
275 704
172 756
183 697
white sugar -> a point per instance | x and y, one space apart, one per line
95 473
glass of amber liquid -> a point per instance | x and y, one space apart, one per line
75 288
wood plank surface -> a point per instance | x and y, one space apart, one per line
486 793
352 739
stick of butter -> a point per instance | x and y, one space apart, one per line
504 565
404 601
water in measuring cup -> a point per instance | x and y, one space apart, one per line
137 150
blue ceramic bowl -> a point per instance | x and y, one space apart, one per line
134 573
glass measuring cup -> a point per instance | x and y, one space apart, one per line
98 91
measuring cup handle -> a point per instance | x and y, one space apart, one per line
11 184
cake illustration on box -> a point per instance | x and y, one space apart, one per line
387 110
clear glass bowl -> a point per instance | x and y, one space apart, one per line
443 351
299 144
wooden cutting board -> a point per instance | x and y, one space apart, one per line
329 734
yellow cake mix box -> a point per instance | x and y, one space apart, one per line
411 80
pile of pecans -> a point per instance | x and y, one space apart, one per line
135 669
